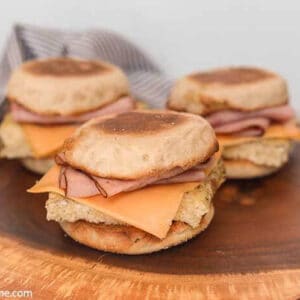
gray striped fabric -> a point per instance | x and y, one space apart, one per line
26 42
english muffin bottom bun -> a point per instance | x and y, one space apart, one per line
38 166
130 240
50 98
249 111
256 158
150 191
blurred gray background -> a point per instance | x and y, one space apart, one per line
183 36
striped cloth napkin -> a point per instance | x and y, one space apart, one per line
25 42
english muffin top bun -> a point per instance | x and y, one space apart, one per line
136 182
241 88
248 108
48 99
66 86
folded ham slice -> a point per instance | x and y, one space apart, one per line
278 113
252 123
259 124
79 184
250 132
21 114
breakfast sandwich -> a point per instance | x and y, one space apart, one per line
48 99
248 108
136 182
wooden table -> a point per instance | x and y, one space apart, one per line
250 251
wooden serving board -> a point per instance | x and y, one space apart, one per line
250 251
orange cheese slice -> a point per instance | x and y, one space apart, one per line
151 209
46 140
288 131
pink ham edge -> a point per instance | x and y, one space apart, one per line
281 113
62 180
21 114
239 126
249 132
224 117
113 187
187 176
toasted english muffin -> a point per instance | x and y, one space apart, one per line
130 240
238 88
66 86
138 144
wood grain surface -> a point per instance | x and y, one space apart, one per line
250 251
